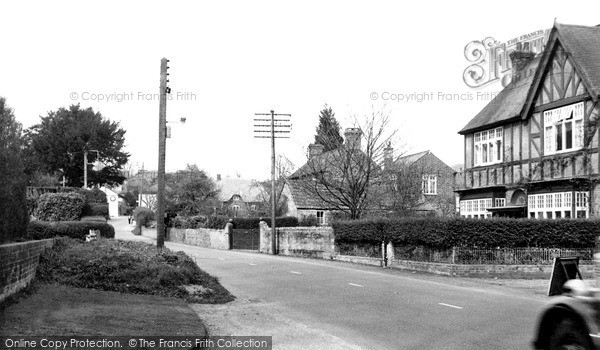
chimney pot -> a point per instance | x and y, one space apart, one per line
352 136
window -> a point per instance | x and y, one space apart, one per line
488 147
476 208
558 205
320 218
499 202
235 209
563 129
429 184
253 207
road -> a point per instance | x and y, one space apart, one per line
373 308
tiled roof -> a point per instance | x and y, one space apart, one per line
507 104
581 42
305 200
324 161
411 158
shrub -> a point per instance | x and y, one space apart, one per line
94 209
143 216
457 232
74 229
93 195
59 206
308 221
197 221
128 267
216 222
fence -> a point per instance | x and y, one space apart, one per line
499 256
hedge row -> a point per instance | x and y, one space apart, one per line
489 233
74 229
95 209
94 195
59 206
218 222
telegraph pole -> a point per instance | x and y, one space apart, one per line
85 164
162 128
277 126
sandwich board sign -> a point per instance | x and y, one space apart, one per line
564 269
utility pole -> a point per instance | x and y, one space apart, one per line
162 128
85 164
277 126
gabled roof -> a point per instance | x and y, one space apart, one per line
507 105
411 158
305 200
249 190
582 43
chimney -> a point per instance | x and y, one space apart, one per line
315 149
388 155
352 136
519 59
218 177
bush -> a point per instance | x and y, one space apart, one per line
59 206
143 216
74 229
93 195
216 222
197 221
490 233
219 222
308 221
94 209
128 267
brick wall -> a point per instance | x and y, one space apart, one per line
202 237
18 262
299 241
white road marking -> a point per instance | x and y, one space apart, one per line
221 259
251 264
295 272
354 284
452 306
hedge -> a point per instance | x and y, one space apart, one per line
488 233
75 229
93 195
59 206
219 222
95 209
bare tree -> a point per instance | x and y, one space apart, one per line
345 178
404 188
283 169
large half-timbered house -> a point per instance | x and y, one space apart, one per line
533 151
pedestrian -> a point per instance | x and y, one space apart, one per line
130 218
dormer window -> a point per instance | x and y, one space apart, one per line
563 129
488 147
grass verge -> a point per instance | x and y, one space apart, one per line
129 267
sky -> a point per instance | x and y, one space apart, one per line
232 59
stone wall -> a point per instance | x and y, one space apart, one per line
485 271
315 242
18 262
202 237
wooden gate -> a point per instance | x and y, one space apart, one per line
248 239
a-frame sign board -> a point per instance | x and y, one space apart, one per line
564 269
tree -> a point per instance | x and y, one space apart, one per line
192 192
283 169
328 130
14 215
403 189
57 145
348 177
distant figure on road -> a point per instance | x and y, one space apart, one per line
130 218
